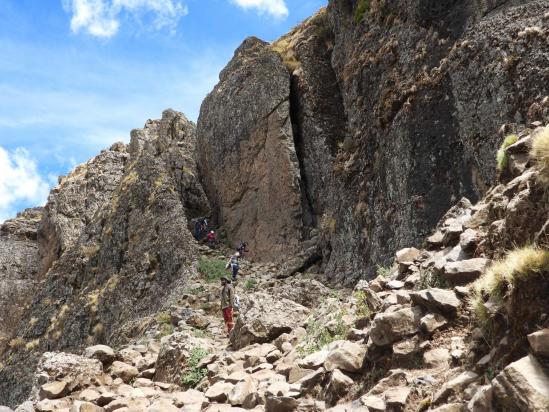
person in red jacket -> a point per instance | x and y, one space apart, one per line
211 238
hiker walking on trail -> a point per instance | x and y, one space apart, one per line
210 238
242 247
198 229
234 265
227 302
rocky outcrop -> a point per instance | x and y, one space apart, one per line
246 152
19 269
384 134
119 261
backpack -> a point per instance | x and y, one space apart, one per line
236 303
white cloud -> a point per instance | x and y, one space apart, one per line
276 8
101 18
19 182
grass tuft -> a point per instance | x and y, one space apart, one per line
362 7
212 268
540 154
501 157
502 277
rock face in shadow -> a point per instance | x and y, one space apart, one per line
122 258
246 152
395 116
19 264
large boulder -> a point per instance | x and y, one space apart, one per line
390 327
265 317
523 386
539 342
348 357
464 271
438 300
105 354
246 152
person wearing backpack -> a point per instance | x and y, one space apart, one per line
242 247
227 302
234 265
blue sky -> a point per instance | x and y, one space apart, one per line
78 75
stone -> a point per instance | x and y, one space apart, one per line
396 397
522 385
79 406
54 390
5 409
296 373
124 371
279 388
388 328
162 405
435 240
482 400
451 407
242 391
432 322
265 318
395 284
468 240
358 334
280 404
348 357
465 271
105 398
219 391
105 354
437 300
312 379
453 386
452 234
374 403
408 254
189 397
51 405
89 395
436 357
314 360
406 352
539 342
25 407
338 386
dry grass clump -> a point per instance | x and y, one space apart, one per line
491 290
501 157
540 154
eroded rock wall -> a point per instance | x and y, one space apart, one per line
395 116
246 153
123 259
19 264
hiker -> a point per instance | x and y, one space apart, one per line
227 302
233 264
242 247
204 225
210 238
198 229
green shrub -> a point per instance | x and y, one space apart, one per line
318 335
540 154
166 329
163 317
250 284
362 7
193 374
362 309
212 268
501 157
383 271
502 276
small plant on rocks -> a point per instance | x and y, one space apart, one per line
250 284
362 309
428 279
383 271
320 334
193 374
540 153
501 156
212 268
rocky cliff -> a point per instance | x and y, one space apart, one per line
392 109
113 242
371 126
